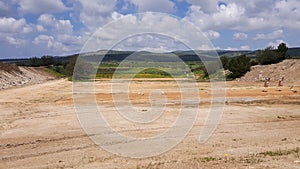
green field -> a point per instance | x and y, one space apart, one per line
150 70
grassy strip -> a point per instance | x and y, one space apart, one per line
295 151
55 73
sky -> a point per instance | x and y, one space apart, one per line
60 27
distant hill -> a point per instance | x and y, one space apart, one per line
294 52
205 55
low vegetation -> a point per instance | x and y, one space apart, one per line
270 55
237 66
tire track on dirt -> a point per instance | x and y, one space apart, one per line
41 141
20 157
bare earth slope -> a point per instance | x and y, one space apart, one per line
289 69
12 75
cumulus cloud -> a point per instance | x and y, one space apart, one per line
41 6
150 42
245 47
15 41
212 34
40 28
71 41
61 26
240 36
288 13
58 44
50 42
171 27
231 48
12 25
42 38
96 13
210 6
244 15
226 16
58 36
273 35
277 42
154 5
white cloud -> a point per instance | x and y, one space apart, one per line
40 28
273 35
154 5
226 16
58 35
130 25
41 39
96 13
60 26
50 41
210 6
245 47
71 41
15 41
288 13
12 25
240 36
151 42
46 19
244 15
277 42
41 6
231 48
212 34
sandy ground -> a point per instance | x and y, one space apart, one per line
39 128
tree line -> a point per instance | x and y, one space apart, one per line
239 66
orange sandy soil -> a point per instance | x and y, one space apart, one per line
39 128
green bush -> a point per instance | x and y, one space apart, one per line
270 55
238 66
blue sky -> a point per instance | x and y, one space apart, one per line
59 27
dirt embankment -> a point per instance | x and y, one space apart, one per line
289 69
12 75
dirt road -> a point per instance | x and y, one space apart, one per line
39 129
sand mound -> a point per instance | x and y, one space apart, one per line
289 69
12 75
9 68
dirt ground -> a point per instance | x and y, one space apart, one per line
39 128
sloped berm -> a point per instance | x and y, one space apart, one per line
289 69
13 76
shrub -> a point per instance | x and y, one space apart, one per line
270 55
238 66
